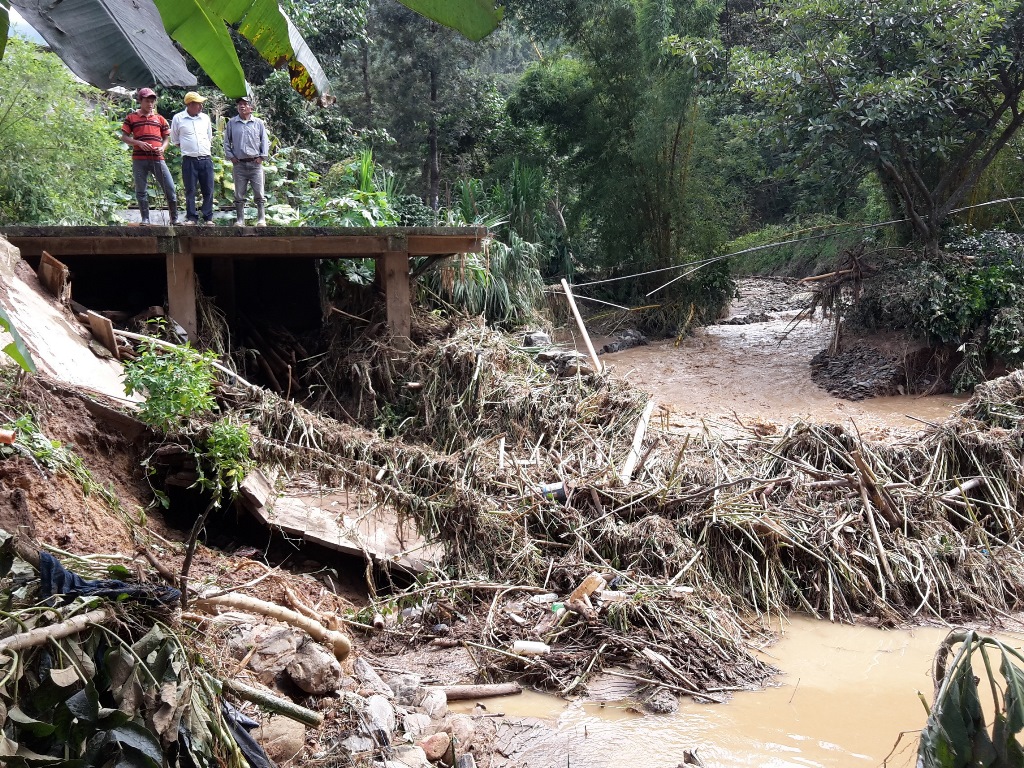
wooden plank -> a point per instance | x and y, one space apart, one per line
397 295
327 247
437 245
181 292
56 277
598 366
103 330
87 246
633 457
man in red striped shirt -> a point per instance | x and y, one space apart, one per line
148 134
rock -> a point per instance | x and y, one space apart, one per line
408 689
379 718
274 651
465 761
282 738
414 757
369 680
659 701
434 703
315 670
463 729
536 339
357 744
435 746
415 725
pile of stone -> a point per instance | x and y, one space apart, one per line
401 723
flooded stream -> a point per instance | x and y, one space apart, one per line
845 695
759 372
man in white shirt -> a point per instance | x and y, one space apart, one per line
192 133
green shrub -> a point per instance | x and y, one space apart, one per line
177 383
224 457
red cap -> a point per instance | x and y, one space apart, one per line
145 93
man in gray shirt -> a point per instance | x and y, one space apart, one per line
246 145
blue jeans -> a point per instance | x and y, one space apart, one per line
197 170
140 173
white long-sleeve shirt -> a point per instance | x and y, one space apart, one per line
192 134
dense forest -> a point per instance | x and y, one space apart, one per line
655 148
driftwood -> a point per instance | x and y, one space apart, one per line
468 692
598 365
273 703
339 643
40 635
633 457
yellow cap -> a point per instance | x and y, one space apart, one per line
192 96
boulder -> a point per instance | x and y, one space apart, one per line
275 649
369 681
433 702
414 757
315 670
408 689
435 746
462 729
282 738
416 725
379 718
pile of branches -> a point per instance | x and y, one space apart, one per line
520 475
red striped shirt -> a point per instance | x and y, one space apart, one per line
151 129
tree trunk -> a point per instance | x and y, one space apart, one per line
433 161
367 96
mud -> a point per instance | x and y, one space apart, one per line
762 371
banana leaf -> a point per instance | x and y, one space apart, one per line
473 18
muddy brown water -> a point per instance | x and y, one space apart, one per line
846 693
845 696
759 372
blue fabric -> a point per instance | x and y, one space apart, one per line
56 580
197 171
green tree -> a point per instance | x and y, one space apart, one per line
58 161
925 94
624 120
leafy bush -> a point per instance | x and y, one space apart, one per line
58 157
971 303
177 383
224 457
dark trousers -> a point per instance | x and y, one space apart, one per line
141 169
197 170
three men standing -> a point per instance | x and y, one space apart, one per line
148 134
192 133
246 145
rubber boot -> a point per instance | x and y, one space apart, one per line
239 214
172 212
144 211
261 219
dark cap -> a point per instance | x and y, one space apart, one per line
145 93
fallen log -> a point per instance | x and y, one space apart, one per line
273 703
486 691
41 635
339 643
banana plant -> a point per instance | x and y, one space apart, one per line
110 42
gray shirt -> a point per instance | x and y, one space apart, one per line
244 140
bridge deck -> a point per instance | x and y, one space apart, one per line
392 247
